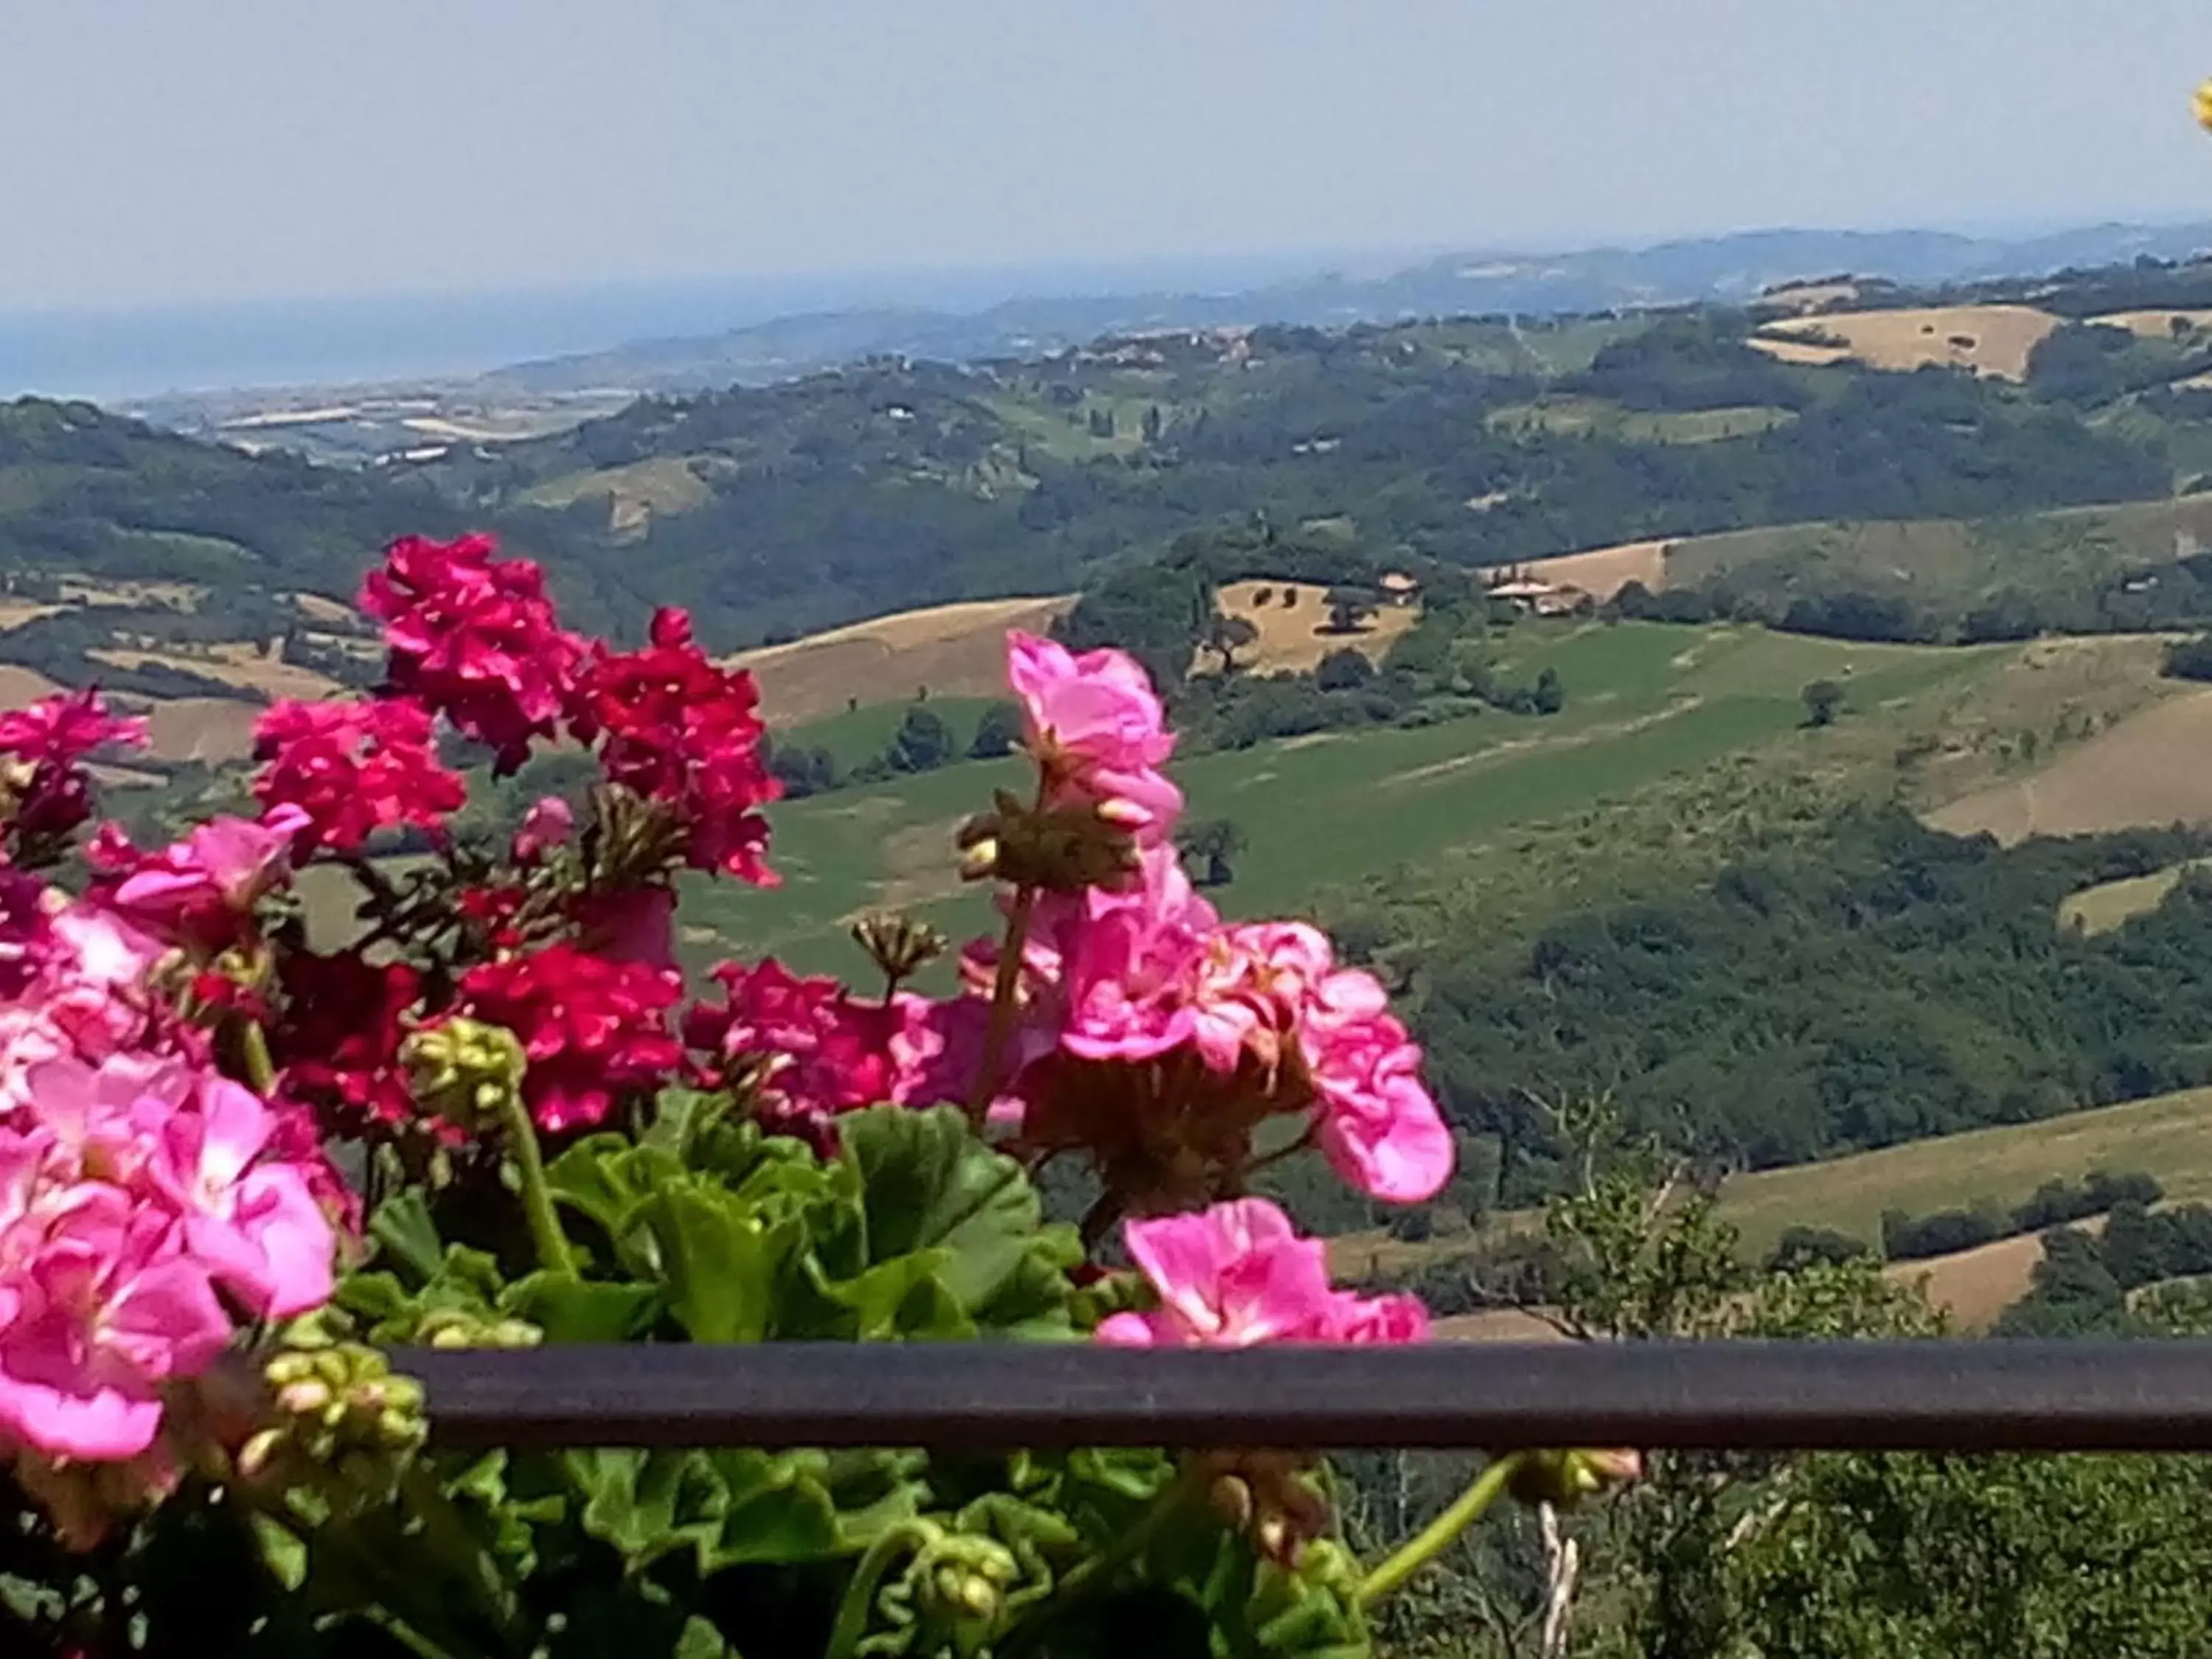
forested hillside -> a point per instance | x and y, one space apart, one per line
779 510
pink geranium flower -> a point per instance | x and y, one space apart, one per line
1238 1274
1379 1126
202 891
816 1052
351 769
252 1220
102 1306
1096 727
52 740
548 824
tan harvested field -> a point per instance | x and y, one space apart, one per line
2150 770
955 650
1803 353
1603 572
14 613
210 730
1974 1287
244 665
21 687
1992 340
1295 637
2153 324
2111 904
1498 1325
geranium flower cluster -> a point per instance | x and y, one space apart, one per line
148 1204
42 782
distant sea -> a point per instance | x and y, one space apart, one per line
113 355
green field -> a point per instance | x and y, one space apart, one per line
1646 703
1572 416
2168 1135
863 733
2070 550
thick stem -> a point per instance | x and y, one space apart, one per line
1095 1577
1440 1533
555 1254
1003 989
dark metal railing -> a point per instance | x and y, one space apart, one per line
1985 1396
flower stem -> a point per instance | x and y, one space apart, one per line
555 1254
1437 1536
1003 987
859 1597
253 1049
1097 1575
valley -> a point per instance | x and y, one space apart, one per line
1489 638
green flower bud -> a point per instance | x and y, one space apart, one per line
1564 1479
465 1071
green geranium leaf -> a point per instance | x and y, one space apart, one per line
405 1232
929 1184
905 1297
570 1309
719 1261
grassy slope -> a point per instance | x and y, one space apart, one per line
2067 549
1646 704
2169 1135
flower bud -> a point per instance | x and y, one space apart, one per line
464 1071
899 946
1564 1479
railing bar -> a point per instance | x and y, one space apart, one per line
1752 1396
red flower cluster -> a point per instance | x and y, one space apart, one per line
353 769
338 1043
476 639
592 1028
683 732
52 739
820 1051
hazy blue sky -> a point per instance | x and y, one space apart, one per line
174 149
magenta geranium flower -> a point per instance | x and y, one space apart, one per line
678 730
593 1029
475 638
351 769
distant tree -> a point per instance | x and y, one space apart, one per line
2190 659
1152 425
1551 696
999 732
922 743
1216 842
1802 1247
1344 670
1348 607
1226 636
1823 700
